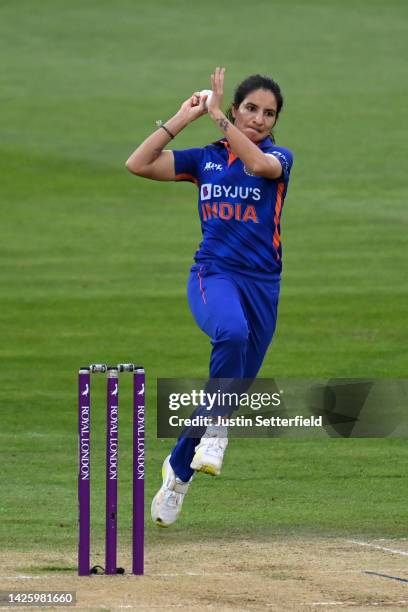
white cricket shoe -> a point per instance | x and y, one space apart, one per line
167 502
209 453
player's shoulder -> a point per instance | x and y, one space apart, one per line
283 154
270 148
283 150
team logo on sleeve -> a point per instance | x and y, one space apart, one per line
205 192
248 172
213 166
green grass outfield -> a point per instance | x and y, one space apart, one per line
94 261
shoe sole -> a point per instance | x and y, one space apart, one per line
199 464
160 524
208 469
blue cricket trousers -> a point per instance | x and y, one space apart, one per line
238 312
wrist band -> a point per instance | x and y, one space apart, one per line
166 130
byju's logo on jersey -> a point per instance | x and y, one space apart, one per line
208 191
213 166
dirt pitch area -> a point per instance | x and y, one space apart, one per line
292 574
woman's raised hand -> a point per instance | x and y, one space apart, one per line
217 86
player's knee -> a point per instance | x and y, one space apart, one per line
233 332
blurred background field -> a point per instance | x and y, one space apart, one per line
94 261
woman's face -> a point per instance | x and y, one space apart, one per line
256 115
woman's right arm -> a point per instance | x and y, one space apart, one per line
149 159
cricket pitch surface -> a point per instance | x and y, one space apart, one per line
278 574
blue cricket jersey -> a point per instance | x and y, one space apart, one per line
239 212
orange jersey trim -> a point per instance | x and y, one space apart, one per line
186 177
231 156
276 219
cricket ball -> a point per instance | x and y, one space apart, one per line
208 93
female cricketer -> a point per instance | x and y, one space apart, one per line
233 289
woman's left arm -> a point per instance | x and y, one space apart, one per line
257 162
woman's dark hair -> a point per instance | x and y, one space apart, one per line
253 82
